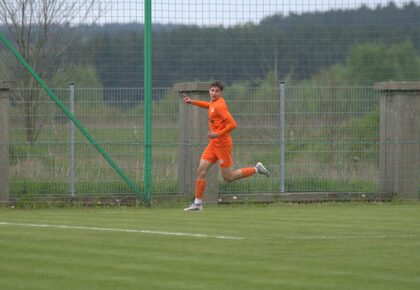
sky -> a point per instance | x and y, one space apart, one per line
223 12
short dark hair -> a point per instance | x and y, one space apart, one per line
217 84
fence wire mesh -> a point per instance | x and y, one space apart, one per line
330 53
331 141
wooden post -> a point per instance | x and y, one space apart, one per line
399 162
4 142
193 139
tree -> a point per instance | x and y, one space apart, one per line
372 62
42 31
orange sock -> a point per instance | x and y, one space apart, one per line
248 171
200 186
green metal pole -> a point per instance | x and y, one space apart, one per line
148 99
76 122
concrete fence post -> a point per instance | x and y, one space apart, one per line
399 162
4 142
193 140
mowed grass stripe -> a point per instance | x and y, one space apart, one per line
143 260
230 221
137 231
324 236
94 259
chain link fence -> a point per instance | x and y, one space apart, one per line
331 141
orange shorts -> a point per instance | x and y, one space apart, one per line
223 154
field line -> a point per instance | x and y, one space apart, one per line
150 232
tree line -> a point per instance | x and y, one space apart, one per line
294 47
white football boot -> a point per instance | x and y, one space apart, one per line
194 207
262 170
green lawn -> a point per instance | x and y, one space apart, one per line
318 246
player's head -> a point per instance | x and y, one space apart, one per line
217 84
215 90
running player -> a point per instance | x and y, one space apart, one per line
219 148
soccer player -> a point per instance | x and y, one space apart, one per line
219 148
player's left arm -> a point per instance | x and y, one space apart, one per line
230 124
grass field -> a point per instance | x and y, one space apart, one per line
317 246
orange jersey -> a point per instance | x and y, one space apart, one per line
220 122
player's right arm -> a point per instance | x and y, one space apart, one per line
201 104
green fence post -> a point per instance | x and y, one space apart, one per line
148 100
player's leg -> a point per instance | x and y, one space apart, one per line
200 184
224 155
208 158
229 175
